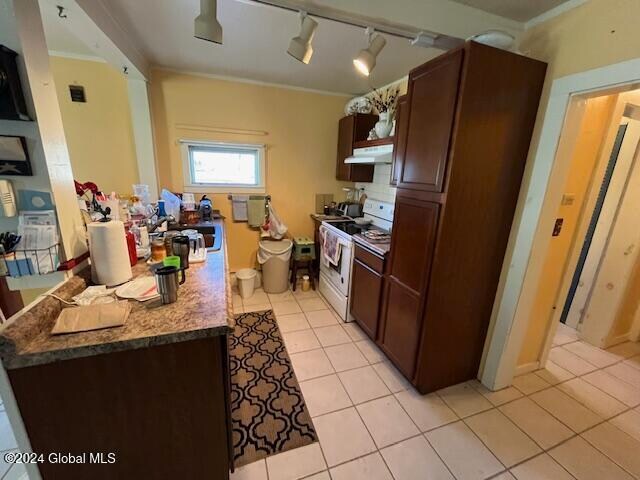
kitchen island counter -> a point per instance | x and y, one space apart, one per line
153 395
203 310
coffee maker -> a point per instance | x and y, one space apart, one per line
205 209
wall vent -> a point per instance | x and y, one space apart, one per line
77 93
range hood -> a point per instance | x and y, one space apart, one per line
372 155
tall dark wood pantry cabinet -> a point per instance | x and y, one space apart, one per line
468 119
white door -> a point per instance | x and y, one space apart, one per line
581 291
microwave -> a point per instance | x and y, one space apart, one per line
12 104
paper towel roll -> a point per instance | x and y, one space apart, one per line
109 253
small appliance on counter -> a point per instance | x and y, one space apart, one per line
350 209
205 209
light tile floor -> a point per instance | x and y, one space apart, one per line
8 444
579 418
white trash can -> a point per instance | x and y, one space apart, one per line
274 257
246 281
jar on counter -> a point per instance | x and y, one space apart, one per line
158 250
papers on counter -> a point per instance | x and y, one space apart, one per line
37 249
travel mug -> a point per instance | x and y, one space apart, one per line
181 249
167 283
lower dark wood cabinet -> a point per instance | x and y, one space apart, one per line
366 291
401 332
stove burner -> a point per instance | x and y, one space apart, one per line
377 236
352 228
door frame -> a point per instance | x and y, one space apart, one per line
540 195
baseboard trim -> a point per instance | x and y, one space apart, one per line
617 340
527 368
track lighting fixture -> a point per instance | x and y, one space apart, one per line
206 25
300 47
366 59
424 39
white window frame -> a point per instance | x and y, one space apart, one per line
194 187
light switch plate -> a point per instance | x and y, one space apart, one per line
568 199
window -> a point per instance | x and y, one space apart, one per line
223 167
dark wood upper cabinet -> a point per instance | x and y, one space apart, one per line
400 137
352 129
471 113
433 90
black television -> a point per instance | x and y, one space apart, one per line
12 104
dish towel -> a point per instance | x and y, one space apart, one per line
256 211
330 246
239 207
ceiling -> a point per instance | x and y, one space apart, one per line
59 38
519 10
256 38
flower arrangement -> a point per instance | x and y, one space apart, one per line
385 101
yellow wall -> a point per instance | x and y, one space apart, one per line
302 134
595 34
591 135
99 134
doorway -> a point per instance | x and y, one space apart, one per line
591 271
541 194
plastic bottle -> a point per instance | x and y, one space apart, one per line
131 246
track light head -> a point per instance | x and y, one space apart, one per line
366 59
206 25
300 47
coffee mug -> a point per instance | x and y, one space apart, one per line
197 244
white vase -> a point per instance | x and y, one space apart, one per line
383 126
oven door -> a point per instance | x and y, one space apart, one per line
340 274
335 297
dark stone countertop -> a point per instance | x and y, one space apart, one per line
203 310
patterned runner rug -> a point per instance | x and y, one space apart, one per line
268 412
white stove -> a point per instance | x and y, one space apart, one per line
335 280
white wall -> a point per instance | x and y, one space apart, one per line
380 189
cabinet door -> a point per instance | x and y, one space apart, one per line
366 289
433 92
414 230
401 333
351 129
345 146
402 117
